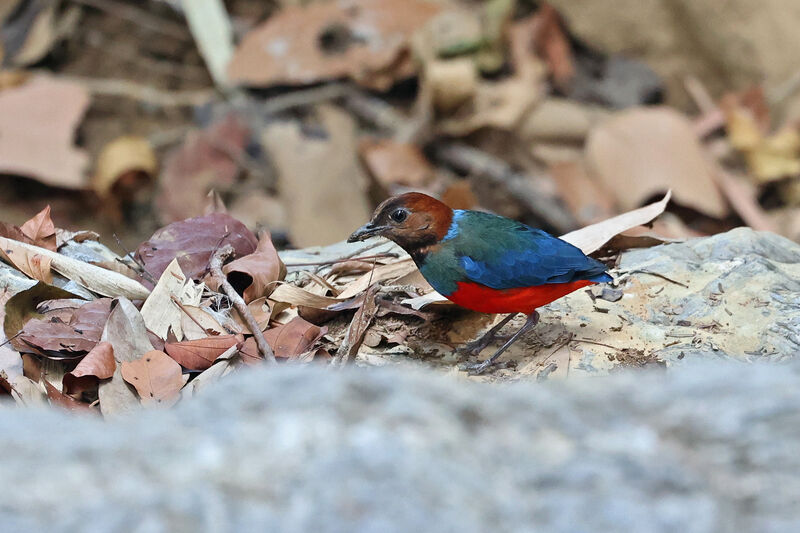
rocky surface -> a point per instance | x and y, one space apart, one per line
706 447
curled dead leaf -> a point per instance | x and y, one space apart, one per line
254 276
98 364
40 230
124 155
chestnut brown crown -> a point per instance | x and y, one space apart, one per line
412 220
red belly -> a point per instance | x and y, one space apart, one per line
520 300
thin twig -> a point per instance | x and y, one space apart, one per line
144 93
344 260
314 95
353 254
215 266
144 273
138 16
180 305
587 341
656 274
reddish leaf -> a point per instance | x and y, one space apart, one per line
295 338
156 377
254 275
98 364
40 230
55 339
193 241
91 318
64 401
201 354
9 231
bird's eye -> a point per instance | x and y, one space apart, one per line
398 215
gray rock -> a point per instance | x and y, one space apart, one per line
707 447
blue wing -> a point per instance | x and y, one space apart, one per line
503 254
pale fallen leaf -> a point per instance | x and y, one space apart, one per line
296 296
158 379
641 152
160 313
50 110
94 278
126 332
197 323
593 237
315 173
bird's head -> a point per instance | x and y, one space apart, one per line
412 220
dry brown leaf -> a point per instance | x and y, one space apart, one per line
156 377
315 173
51 110
363 39
98 364
642 152
65 401
123 155
201 353
254 276
395 163
40 230
290 340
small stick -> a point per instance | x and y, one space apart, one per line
343 260
144 273
177 302
215 265
656 274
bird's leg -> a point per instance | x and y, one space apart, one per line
478 368
476 347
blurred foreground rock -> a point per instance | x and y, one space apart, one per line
708 447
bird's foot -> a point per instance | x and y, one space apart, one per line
474 348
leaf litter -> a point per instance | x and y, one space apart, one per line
488 79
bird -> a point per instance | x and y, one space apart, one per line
483 262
